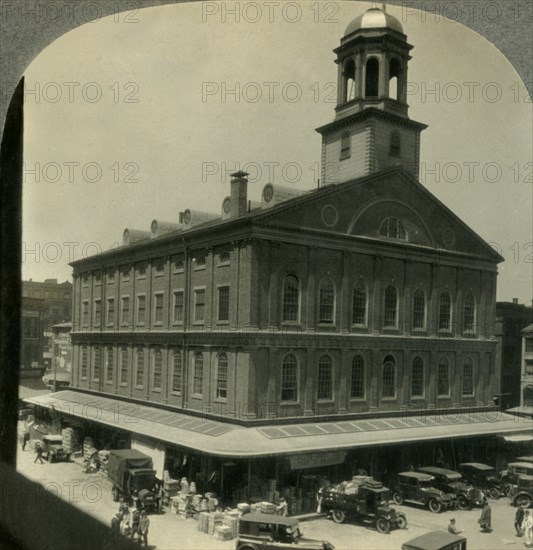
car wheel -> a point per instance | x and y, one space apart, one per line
505 489
401 521
523 500
339 516
397 497
115 494
246 548
383 525
51 458
462 503
493 492
435 506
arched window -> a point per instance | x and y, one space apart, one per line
445 311
346 144
395 70
291 298
468 377
417 377
325 378
443 377
198 378
419 309
389 377
289 378
96 363
124 366
348 81
469 313
222 376
395 144
157 369
391 307
359 304
372 78
177 372
393 228
357 387
109 365
326 306
139 368
84 362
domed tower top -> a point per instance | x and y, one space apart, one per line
374 18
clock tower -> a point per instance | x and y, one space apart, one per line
371 130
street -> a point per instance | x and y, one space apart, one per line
92 493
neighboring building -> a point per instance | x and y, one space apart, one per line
32 338
511 318
57 308
58 377
526 378
350 324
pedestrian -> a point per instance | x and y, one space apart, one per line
135 519
122 507
144 524
283 507
115 524
25 439
527 528
39 454
452 528
518 519
486 517
125 524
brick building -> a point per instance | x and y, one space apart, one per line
352 323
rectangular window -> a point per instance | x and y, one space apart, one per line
199 305
139 368
84 362
141 309
529 345
124 366
178 306
325 381
468 378
85 312
96 363
157 370
529 366
97 312
223 303
357 388
110 311
158 309
109 366
125 314
443 381
417 378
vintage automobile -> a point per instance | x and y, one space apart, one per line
528 458
521 494
419 488
509 476
270 532
481 476
436 540
452 483
368 506
52 446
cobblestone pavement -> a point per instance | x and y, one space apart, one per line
92 493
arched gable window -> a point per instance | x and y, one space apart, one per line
469 313
468 376
177 372
417 377
395 70
357 387
326 306
346 146
445 311
222 376
359 304
325 378
419 310
443 377
395 144
198 378
390 310
392 228
372 78
291 298
289 378
389 377
348 81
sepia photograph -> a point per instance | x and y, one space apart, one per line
267 275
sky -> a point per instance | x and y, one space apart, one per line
139 116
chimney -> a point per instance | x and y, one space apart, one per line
515 300
239 194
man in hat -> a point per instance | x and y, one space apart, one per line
144 524
452 528
486 517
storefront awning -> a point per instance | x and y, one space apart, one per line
230 440
525 410
32 387
518 438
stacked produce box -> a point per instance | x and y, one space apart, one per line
71 443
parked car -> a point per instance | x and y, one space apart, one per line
521 494
436 540
452 483
509 476
528 458
52 446
482 476
270 532
369 506
419 488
